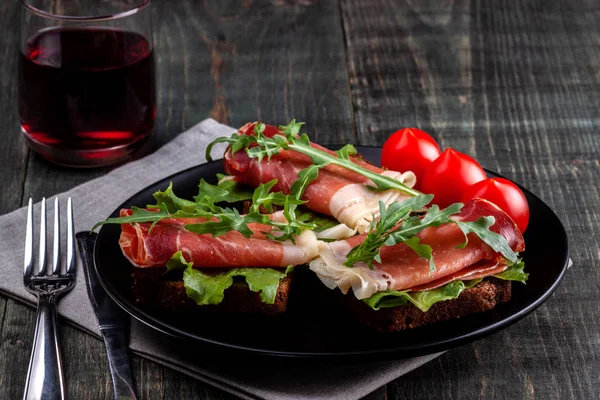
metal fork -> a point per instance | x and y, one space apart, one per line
45 375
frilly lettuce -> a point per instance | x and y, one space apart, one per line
425 299
207 289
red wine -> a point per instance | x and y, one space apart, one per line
89 91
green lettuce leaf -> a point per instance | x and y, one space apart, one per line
178 262
422 300
210 288
515 272
425 299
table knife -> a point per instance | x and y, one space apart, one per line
112 320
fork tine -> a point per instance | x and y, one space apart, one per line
56 241
28 261
42 251
70 239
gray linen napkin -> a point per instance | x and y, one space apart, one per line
93 201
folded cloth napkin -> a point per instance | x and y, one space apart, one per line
94 201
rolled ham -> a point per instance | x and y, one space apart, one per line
153 248
402 269
338 192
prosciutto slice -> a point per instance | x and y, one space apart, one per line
402 269
337 191
145 248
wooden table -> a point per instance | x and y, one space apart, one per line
514 83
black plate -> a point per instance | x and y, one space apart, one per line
309 329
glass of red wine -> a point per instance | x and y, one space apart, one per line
87 92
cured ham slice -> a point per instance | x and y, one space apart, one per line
402 269
479 270
145 248
338 192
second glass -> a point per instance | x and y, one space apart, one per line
87 93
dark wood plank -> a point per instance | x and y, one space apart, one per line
513 84
14 356
410 66
230 60
13 151
379 394
16 338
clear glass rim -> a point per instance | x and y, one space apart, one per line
85 18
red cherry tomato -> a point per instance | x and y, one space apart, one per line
409 149
449 176
505 195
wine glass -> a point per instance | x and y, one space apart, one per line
87 92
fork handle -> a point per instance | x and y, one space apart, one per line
45 375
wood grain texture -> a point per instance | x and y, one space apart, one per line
15 319
13 149
235 61
410 66
514 83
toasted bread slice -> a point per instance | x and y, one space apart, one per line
482 297
152 289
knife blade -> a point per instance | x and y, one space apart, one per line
112 320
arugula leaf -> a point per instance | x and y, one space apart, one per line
291 129
346 151
320 221
207 289
237 142
413 225
263 196
496 241
138 215
259 146
286 230
434 217
229 219
220 220
235 191
172 202
423 250
305 177
385 233
225 191
380 231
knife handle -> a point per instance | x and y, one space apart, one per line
116 349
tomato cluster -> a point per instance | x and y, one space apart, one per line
451 176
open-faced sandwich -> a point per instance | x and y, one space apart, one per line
385 250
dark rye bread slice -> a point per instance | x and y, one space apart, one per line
152 289
483 297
